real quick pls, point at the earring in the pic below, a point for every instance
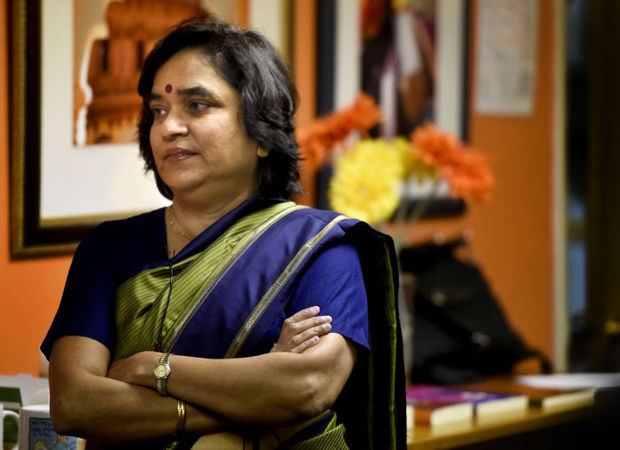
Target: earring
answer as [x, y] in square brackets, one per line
[262, 152]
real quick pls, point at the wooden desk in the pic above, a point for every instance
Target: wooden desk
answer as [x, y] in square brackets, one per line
[585, 427]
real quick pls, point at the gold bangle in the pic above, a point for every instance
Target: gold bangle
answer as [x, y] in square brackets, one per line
[181, 417]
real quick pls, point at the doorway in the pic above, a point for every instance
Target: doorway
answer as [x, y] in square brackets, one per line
[593, 184]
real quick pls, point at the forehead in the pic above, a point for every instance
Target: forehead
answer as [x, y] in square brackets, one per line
[189, 68]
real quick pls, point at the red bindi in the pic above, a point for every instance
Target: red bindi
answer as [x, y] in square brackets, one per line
[168, 88]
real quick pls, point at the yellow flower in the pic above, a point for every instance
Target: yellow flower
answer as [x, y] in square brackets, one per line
[366, 181]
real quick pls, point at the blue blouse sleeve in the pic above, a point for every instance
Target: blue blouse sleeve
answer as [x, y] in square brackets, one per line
[87, 305]
[334, 281]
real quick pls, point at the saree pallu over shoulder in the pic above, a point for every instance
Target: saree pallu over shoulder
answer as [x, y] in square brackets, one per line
[250, 297]
[143, 302]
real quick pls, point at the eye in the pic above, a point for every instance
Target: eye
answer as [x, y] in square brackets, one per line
[197, 106]
[158, 111]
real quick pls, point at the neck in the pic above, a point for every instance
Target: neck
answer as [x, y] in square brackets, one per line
[194, 217]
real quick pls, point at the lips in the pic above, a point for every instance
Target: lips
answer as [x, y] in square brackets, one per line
[178, 154]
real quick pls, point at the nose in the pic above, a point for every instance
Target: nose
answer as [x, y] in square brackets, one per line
[173, 125]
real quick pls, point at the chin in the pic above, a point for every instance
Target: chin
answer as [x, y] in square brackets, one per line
[184, 182]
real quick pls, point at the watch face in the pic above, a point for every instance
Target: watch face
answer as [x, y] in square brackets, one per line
[161, 371]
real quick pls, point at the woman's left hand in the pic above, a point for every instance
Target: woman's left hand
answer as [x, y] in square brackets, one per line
[302, 331]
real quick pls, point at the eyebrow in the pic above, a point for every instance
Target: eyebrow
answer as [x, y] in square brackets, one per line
[196, 91]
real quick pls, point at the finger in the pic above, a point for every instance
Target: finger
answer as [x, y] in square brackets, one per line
[319, 330]
[314, 322]
[299, 327]
[291, 327]
[304, 314]
[305, 345]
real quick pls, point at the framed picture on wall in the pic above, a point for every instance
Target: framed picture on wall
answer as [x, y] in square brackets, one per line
[74, 106]
[410, 56]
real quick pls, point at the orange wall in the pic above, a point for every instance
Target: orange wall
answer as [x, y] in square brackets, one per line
[304, 61]
[29, 290]
[513, 233]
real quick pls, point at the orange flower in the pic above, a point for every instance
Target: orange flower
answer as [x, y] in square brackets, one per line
[467, 171]
[435, 148]
[470, 178]
[322, 136]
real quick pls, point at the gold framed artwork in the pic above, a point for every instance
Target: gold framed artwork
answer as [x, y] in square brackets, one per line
[74, 66]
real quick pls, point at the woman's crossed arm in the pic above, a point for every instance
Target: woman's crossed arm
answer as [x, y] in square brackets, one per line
[91, 399]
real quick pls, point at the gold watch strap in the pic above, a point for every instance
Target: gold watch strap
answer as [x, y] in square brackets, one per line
[164, 358]
[161, 383]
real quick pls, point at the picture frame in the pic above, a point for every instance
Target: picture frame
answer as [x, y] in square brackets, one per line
[339, 76]
[59, 192]
[27, 237]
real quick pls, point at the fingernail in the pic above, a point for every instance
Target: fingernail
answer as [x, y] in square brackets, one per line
[316, 309]
[327, 326]
[328, 318]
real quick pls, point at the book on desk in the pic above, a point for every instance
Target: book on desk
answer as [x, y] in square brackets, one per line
[546, 399]
[589, 414]
[437, 414]
[440, 404]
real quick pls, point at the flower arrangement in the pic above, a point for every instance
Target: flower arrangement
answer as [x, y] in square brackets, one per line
[370, 174]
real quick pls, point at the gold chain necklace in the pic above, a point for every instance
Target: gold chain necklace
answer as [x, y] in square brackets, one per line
[173, 223]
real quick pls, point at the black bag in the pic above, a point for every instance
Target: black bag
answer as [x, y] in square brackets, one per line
[460, 331]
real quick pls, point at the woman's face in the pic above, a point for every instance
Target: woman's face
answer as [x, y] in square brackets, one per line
[198, 139]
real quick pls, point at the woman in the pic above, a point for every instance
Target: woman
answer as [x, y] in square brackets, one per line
[168, 318]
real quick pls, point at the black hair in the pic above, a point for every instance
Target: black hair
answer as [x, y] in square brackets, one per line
[268, 98]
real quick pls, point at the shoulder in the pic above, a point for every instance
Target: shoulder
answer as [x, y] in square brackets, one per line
[135, 223]
[356, 231]
[125, 230]
[341, 256]
[126, 245]
[326, 217]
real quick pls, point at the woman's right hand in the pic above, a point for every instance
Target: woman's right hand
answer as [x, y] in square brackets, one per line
[302, 331]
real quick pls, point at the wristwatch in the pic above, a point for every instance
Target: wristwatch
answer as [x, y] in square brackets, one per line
[161, 371]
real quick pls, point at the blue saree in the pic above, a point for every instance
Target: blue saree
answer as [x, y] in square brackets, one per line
[227, 293]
